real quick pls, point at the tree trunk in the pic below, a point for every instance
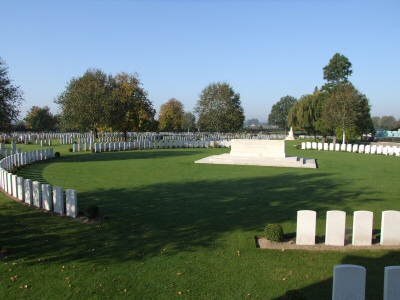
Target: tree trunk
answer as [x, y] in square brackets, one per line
[344, 136]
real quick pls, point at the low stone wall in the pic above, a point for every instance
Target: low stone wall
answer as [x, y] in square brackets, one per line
[34, 193]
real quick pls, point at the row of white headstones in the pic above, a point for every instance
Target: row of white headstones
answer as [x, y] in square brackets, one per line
[146, 145]
[335, 233]
[349, 283]
[367, 149]
[34, 193]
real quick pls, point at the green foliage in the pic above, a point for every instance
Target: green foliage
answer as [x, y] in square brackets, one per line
[70, 150]
[11, 98]
[40, 119]
[93, 150]
[337, 71]
[188, 121]
[219, 108]
[280, 111]
[274, 232]
[171, 114]
[57, 154]
[92, 211]
[294, 295]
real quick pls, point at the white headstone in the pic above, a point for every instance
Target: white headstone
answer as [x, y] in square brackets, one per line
[308, 145]
[349, 147]
[306, 226]
[335, 228]
[337, 147]
[373, 149]
[331, 147]
[348, 282]
[343, 147]
[355, 148]
[28, 191]
[390, 233]
[391, 286]
[320, 146]
[14, 185]
[47, 202]
[37, 194]
[71, 203]
[326, 146]
[361, 149]
[363, 222]
[21, 188]
[58, 200]
[367, 149]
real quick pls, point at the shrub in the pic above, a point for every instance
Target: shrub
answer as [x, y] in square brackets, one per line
[57, 154]
[92, 211]
[274, 232]
[93, 150]
[294, 295]
[70, 150]
[298, 146]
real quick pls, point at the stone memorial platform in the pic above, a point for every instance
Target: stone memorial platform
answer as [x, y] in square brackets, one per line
[259, 153]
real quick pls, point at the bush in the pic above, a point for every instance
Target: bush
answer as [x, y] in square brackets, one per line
[57, 154]
[93, 150]
[92, 211]
[294, 295]
[274, 232]
[70, 150]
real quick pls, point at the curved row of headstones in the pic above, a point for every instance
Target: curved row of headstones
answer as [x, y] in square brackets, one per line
[34, 193]
[367, 149]
[335, 232]
[349, 282]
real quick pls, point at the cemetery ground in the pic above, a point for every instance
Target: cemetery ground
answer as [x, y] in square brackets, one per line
[179, 230]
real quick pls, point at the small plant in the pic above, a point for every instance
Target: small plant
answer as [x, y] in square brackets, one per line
[93, 150]
[274, 232]
[70, 150]
[298, 146]
[57, 154]
[294, 295]
[92, 211]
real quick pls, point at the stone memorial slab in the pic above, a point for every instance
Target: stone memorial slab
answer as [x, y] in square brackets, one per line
[349, 282]
[331, 147]
[303, 146]
[379, 149]
[391, 286]
[355, 148]
[361, 149]
[263, 148]
[390, 233]
[363, 222]
[308, 145]
[335, 228]
[326, 146]
[14, 188]
[320, 146]
[306, 226]
[343, 147]
[349, 147]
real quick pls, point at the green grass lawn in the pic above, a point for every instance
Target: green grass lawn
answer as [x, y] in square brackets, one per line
[176, 229]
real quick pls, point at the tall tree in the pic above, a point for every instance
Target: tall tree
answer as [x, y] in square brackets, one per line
[40, 119]
[11, 98]
[171, 114]
[375, 120]
[337, 71]
[219, 108]
[341, 108]
[280, 111]
[387, 122]
[364, 124]
[130, 109]
[83, 104]
[188, 121]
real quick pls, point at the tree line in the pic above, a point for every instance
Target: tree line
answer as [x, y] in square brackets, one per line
[337, 108]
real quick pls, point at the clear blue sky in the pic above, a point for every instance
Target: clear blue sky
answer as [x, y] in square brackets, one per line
[264, 49]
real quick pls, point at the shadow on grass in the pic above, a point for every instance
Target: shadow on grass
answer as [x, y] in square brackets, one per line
[375, 276]
[180, 217]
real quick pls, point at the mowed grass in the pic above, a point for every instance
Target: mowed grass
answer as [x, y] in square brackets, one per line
[179, 230]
